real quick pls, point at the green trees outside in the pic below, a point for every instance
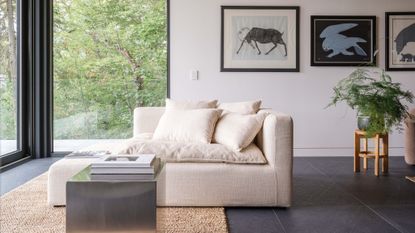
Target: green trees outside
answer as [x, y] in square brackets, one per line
[109, 57]
[8, 70]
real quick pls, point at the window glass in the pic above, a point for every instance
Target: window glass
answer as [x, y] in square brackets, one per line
[109, 57]
[8, 77]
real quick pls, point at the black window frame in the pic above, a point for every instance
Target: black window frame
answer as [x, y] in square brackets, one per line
[22, 150]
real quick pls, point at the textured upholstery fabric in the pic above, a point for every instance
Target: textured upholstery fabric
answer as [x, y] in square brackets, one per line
[62, 170]
[217, 184]
[276, 142]
[193, 152]
[248, 107]
[236, 130]
[195, 125]
[149, 116]
[175, 104]
[210, 184]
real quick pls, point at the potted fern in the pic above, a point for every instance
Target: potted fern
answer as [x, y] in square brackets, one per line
[378, 101]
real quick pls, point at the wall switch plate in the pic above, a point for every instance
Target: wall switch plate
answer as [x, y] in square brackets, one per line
[194, 75]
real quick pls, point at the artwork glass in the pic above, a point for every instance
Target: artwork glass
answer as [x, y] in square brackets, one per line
[400, 41]
[343, 40]
[259, 38]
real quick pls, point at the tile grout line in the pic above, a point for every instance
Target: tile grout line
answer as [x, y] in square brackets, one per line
[390, 222]
[279, 220]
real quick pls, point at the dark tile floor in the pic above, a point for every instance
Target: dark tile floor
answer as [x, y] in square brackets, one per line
[19, 175]
[328, 197]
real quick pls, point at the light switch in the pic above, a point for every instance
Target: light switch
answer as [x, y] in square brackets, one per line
[194, 75]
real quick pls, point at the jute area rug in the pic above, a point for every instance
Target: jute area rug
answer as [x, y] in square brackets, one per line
[25, 210]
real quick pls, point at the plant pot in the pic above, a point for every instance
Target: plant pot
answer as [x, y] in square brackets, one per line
[363, 122]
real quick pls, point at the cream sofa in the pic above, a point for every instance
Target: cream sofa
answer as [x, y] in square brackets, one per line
[207, 184]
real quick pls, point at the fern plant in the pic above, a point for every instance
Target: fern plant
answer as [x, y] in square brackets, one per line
[380, 99]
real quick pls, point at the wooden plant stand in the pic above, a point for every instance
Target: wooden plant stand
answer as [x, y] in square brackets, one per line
[366, 154]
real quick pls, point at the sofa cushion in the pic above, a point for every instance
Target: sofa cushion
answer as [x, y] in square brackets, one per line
[248, 107]
[196, 125]
[174, 104]
[236, 130]
[193, 152]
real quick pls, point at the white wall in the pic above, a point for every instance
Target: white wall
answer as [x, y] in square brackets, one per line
[195, 44]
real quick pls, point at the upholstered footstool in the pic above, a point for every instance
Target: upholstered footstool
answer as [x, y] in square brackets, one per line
[59, 173]
[62, 170]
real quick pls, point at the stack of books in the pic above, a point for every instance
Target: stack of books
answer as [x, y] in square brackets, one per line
[125, 167]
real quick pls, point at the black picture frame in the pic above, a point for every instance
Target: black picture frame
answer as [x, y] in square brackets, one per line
[267, 54]
[400, 41]
[343, 40]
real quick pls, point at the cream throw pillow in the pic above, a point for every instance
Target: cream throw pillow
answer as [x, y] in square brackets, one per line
[195, 125]
[248, 107]
[174, 104]
[236, 130]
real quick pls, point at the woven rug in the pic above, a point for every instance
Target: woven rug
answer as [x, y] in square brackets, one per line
[25, 210]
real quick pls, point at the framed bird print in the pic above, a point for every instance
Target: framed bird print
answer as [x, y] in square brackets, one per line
[400, 41]
[343, 40]
[260, 39]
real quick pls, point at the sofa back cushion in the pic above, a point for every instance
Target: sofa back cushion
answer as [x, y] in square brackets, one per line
[247, 107]
[237, 131]
[174, 104]
[146, 119]
[195, 125]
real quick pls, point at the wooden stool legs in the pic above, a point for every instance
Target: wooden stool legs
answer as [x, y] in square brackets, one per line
[376, 155]
[356, 153]
[385, 160]
[365, 148]
[366, 154]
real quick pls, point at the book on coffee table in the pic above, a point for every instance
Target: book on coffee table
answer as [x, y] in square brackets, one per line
[140, 160]
[87, 154]
[154, 166]
[125, 167]
[105, 177]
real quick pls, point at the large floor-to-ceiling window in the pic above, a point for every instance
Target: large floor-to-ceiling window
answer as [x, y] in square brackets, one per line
[9, 79]
[109, 57]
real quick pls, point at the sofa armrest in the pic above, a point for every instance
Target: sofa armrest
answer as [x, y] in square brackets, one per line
[146, 119]
[276, 142]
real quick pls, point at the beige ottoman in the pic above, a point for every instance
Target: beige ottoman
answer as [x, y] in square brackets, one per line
[410, 139]
[62, 170]
[59, 173]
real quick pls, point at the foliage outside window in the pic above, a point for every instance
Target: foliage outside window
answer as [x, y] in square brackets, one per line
[109, 57]
[8, 76]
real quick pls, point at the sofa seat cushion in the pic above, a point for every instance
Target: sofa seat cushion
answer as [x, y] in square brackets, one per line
[192, 151]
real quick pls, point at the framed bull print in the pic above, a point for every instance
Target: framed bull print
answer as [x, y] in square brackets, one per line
[260, 39]
[400, 41]
[343, 40]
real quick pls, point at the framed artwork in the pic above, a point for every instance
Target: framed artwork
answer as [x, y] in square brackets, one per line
[400, 41]
[343, 40]
[260, 39]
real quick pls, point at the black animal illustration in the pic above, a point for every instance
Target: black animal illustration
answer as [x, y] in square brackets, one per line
[404, 37]
[407, 57]
[263, 36]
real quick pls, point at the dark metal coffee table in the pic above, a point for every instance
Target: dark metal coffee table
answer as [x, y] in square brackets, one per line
[110, 206]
